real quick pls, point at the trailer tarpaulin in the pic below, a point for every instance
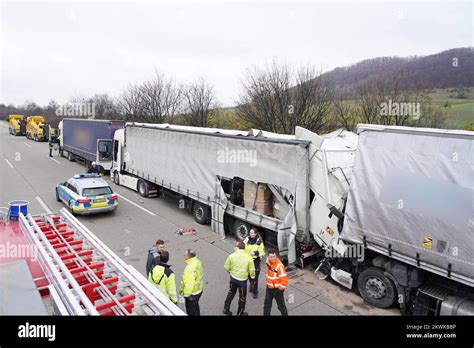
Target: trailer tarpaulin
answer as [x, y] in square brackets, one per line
[193, 161]
[412, 197]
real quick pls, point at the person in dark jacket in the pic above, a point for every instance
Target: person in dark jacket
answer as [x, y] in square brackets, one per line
[96, 169]
[154, 255]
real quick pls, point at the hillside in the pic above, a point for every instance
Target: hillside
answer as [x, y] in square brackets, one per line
[451, 68]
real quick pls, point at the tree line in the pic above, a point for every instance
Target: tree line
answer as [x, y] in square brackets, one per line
[275, 98]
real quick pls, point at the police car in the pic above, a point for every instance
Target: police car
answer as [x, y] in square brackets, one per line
[87, 194]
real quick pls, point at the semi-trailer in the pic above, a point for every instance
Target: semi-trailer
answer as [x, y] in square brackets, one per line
[387, 212]
[88, 140]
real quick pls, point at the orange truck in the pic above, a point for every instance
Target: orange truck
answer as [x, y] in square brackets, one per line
[16, 124]
[35, 128]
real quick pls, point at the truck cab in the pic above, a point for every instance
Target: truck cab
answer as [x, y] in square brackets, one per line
[35, 128]
[16, 124]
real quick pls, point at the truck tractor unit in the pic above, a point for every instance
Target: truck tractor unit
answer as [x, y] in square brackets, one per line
[35, 128]
[17, 125]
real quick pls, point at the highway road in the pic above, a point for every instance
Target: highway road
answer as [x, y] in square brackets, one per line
[26, 172]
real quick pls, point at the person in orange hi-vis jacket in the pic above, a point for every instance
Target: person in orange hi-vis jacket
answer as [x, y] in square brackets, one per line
[276, 284]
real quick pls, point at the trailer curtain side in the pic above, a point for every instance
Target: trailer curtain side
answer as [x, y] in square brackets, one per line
[412, 198]
[193, 161]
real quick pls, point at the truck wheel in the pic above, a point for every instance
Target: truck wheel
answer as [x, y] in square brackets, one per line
[142, 188]
[201, 213]
[70, 157]
[116, 178]
[241, 230]
[375, 288]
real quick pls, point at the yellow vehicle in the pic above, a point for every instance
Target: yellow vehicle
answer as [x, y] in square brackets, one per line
[35, 128]
[16, 124]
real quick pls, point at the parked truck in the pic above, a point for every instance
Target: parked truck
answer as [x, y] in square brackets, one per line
[35, 128]
[327, 199]
[16, 124]
[88, 140]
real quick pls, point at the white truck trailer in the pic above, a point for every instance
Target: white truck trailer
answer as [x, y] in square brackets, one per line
[310, 177]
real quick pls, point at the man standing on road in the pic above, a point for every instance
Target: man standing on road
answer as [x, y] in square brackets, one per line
[192, 282]
[276, 284]
[163, 277]
[51, 147]
[254, 247]
[241, 267]
[154, 255]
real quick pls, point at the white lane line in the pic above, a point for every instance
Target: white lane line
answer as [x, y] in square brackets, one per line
[27, 145]
[43, 204]
[135, 204]
[8, 162]
[53, 159]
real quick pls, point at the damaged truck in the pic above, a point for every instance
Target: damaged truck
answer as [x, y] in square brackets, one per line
[387, 212]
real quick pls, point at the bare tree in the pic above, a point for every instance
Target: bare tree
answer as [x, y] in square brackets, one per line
[131, 103]
[312, 98]
[105, 106]
[199, 100]
[277, 99]
[346, 112]
[161, 99]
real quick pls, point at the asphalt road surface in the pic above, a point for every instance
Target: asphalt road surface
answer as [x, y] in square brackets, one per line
[26, 172]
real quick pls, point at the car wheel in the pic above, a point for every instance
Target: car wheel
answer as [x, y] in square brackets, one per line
[57, 196]
[116, 178]
[142, 188]
[375, 288]
[201, 213]
[241, 230]
[35, 137]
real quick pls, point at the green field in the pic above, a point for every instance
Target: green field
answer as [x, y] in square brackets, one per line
[460, 108]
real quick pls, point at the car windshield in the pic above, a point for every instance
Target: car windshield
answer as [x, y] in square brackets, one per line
[96, 191]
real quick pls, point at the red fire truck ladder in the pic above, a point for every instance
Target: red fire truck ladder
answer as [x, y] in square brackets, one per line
[87, 277]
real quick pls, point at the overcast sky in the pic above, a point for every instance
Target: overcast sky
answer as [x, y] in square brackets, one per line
[58, 50]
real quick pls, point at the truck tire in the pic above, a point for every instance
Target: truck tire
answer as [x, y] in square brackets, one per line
[70, 157]
[201, 213]
[116, 178]
[375, 288]
[142, 188]
[241, 229]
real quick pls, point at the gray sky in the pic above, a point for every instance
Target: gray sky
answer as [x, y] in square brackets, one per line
[57, 50]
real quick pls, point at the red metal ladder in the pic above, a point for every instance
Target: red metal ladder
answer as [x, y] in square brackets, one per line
[89, 278]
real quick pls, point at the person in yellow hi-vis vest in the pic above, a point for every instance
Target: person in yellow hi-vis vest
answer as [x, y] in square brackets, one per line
[192, 282]
[254, 247]
[163, 277]
[240, 266]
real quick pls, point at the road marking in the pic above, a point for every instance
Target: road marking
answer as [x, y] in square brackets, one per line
[8, 162]
[136, 205]
[27, 145]
[55, 160]
[43, 204]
